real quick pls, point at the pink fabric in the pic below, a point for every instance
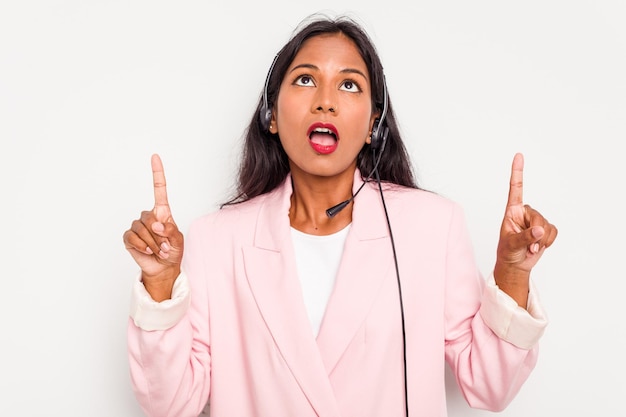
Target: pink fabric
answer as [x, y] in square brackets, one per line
[246, 342]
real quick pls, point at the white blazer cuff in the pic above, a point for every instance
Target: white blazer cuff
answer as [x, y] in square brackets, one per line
[520, 327]
[151, 315]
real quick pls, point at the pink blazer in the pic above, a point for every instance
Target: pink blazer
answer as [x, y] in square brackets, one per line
[246, 344]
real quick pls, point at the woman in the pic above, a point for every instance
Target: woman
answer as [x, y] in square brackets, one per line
[282, 309]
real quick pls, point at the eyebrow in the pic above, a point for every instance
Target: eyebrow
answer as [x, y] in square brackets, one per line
[343, 71]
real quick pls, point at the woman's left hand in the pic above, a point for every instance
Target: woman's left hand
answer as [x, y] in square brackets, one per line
[524, 236]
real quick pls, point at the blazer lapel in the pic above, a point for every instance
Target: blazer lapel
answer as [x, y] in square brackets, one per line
[367, 261]
[272, 276]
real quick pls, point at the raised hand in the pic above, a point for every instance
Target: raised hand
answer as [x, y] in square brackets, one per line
[155, 242]
[524, 236]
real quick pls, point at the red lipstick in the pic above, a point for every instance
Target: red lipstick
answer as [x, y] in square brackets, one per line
[323, 138]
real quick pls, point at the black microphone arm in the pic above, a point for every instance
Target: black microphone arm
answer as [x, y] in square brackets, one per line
[332, 212]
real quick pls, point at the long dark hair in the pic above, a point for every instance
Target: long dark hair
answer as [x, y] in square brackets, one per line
[264, 163]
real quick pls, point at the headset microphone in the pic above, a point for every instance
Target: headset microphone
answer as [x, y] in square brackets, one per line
[379, 140]
[331, 212]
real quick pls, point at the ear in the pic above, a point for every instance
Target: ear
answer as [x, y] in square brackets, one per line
[375, 115]
[273, 125]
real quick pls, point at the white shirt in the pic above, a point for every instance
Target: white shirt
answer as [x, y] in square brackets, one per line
[317, 261]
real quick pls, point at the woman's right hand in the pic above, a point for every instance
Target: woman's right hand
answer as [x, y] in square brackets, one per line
[155, 242]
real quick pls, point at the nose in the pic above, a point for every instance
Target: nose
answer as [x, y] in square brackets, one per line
[325, 100]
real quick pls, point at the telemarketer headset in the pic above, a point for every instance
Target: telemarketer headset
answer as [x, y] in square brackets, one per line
[379, 129]
[379, 135]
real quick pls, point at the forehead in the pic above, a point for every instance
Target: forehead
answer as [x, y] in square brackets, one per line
[330, 49]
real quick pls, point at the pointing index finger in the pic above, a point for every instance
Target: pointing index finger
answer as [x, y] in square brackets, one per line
[516, 184]
[160, 186]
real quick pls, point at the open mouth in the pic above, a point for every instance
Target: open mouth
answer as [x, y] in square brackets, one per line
[323, 139]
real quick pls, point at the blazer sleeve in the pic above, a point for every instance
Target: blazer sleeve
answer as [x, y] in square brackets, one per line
[521, 327]
[169, 357]
[489, 369]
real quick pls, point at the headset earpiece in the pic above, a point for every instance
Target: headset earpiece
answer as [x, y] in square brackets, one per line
[379, 135]
[265, 117]
[379, 128]
[265, 112]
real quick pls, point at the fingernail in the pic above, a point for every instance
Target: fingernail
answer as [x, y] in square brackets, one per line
[163, 254]
[157, 227]
[165, 246]
[149, 251]
[535, 247]
[537, 232]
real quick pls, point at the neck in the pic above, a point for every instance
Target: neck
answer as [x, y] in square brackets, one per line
[311, 198]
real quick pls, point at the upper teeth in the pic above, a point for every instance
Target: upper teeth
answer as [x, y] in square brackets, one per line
[323, 130]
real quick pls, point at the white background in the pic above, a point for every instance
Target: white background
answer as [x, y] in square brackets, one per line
[89, 90]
